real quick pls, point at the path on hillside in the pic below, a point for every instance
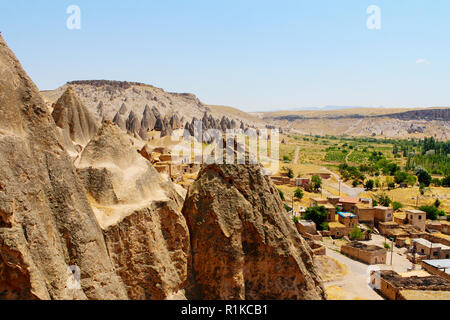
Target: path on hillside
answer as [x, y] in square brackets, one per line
[297, 154]
[350, 191]
[348, 155]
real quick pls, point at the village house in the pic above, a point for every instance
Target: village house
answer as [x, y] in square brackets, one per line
[393, 286]
[334, 200]
[303, 182]
[383, 214]
[439, 268]
[369, 254]
[429, 250]
[331, 212]
[348, 204]
[434, 226]
[338, 230]
[416, 218]
[308, 230]
[348, 219]
[445, 227]
[316, 202]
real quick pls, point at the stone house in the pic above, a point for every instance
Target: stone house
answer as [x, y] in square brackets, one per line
[348, 204]
[338, 230]
[429, 250]
[369, 254]
[416, 218]
[394, 287]
[315, 202]
[348, 219]
[308, 230]
[439, 268]
[331, 212]
[303, 182]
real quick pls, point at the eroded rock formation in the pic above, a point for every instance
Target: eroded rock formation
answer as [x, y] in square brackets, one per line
[46, 222]
[74, 118]
[244, 246]
[139, 212]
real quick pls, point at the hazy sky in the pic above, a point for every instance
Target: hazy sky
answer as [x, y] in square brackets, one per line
[255, 55]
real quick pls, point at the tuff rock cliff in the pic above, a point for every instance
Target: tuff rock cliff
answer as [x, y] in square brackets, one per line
[113, 216]
[46, 222]
[74, 118]
[243, 244]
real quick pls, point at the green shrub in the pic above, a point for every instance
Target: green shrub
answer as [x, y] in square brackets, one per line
[397, 205]
[432, 212]
[357, 234]
[316, 214]
[299, 194]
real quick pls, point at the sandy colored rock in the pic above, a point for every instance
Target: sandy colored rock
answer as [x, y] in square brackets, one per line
[244, 245]
[133, 124]
[150, 249]
[46, 222]
[120, 121]
[148, 119]
[145, 231]
[73, 117]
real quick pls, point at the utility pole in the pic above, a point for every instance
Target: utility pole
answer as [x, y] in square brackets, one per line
[392, 249]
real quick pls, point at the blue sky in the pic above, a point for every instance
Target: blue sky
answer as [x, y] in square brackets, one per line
[254, 55]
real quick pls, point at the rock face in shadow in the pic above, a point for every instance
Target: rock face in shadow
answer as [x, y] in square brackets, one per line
[74, 118]
[244, 245]
[139, 212]
[46, 222]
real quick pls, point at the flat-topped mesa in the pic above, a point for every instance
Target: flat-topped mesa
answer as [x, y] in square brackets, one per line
[46, 222]
[74, 118]
[244, 245]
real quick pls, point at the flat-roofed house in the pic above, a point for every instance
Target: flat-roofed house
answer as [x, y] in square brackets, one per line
[338, 230]
[331, 212]
[394, 286]
[315, 202]
[438, 267]
[334, 200]
[365, 214]
[308, 230]
[416, 218]
[348, 204]
[302, 182]
[348, 219]
[429, 250]
[445, 227]
[383, 214]
[369, 254]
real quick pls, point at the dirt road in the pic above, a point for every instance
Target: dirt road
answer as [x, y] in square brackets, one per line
[354, 285]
